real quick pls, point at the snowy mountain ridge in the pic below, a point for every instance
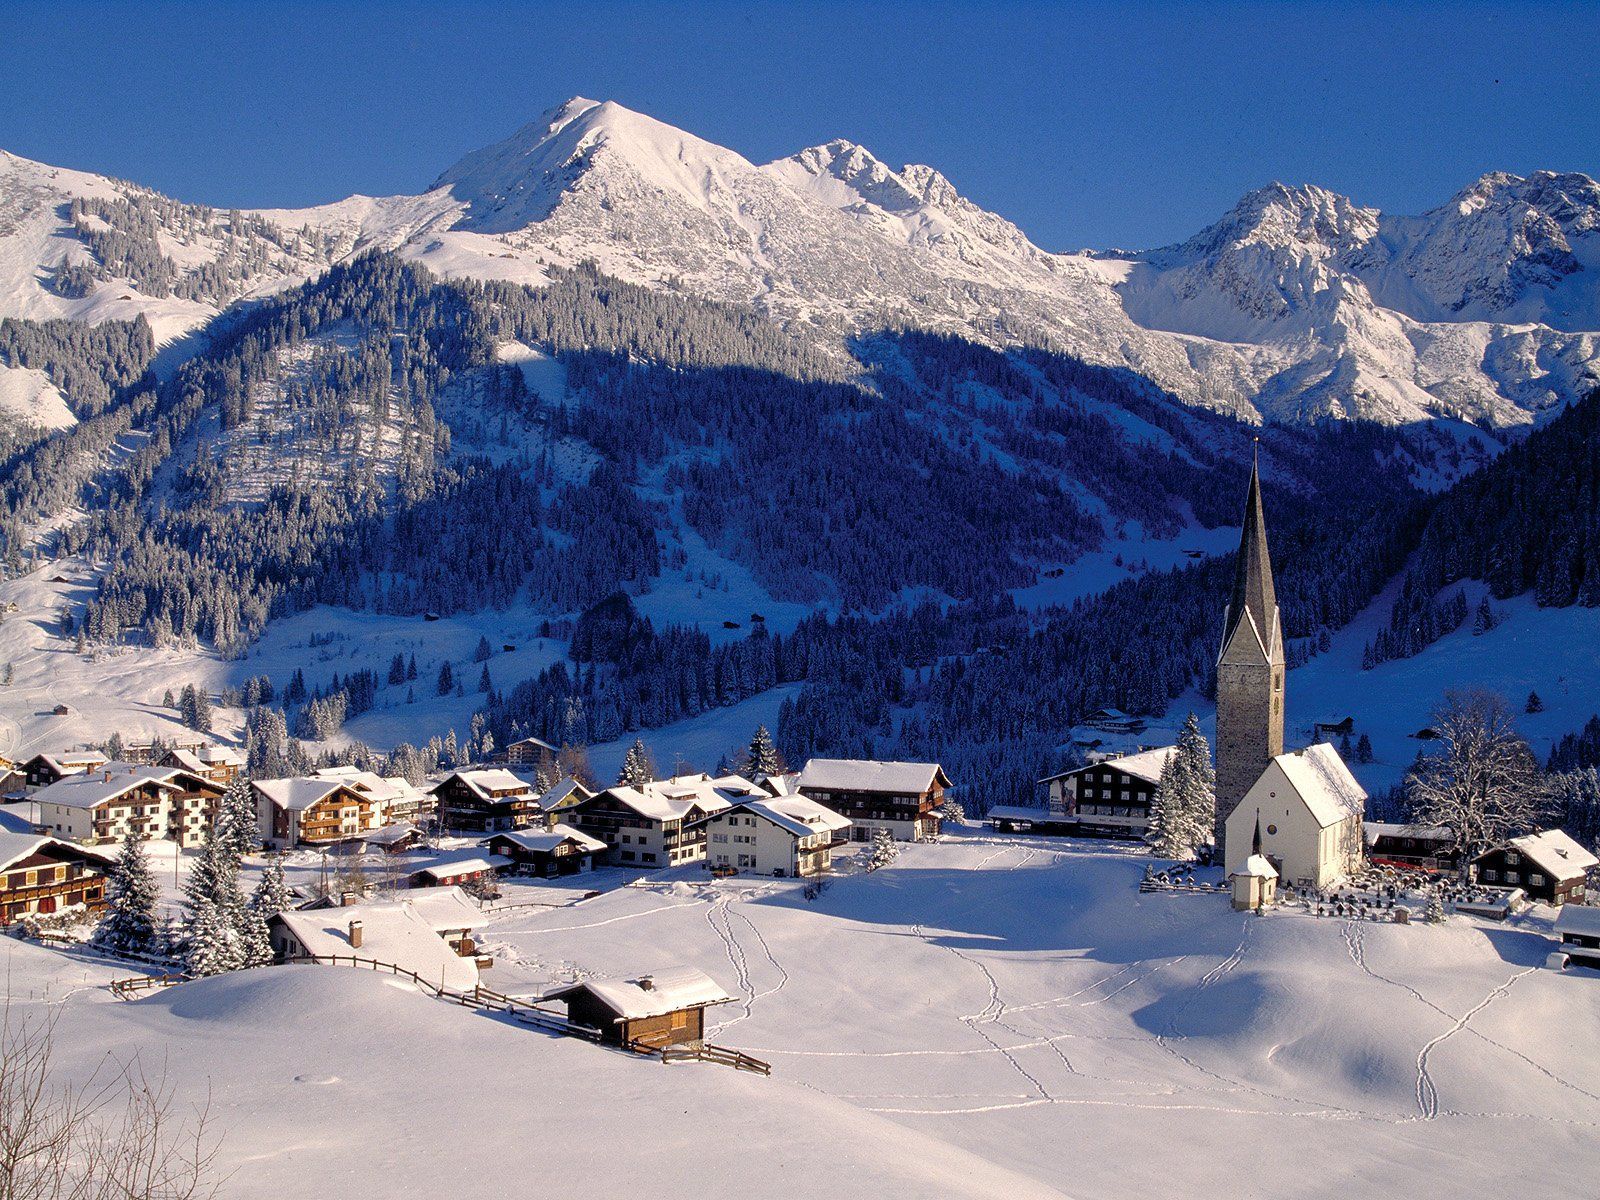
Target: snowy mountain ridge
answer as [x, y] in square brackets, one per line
[1297, 304]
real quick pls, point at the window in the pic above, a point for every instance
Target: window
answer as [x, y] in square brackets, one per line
[1512, 877]
[1512, 858]
[1491, 875]
[1272, 829]
[1535, 879]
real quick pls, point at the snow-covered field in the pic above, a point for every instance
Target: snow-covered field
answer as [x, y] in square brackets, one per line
[986, 1017]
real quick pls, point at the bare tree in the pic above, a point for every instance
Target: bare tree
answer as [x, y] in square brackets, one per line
[1484, 784]
[117, 1137]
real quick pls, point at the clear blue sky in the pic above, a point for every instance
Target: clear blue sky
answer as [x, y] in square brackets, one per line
[1089, 125]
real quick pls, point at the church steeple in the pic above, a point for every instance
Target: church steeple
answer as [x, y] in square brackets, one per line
[1250, 672]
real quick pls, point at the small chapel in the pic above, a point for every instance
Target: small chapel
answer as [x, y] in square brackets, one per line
[1305, 803]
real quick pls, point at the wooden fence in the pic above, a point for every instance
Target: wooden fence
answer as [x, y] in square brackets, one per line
[137, 985]
[722, 1055]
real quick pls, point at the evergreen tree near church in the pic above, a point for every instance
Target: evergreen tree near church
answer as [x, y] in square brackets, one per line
[636, 766]
[763, 758]
[1183, 813]
[131, 894]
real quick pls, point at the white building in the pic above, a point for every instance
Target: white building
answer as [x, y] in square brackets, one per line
[428, 933]
[396, 798]
[1310, 809]
[781, 835]
[661, 823]
[104, 805]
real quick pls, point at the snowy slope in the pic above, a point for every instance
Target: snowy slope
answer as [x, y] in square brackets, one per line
[1298, 304]
[28, 397]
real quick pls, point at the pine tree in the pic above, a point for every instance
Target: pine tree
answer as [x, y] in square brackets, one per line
[411, 669]
[213, 945]
[763, 758]
[131, 895]
[254, 939]
[397, 670]
[237, 824]
[637, 766]
[1364, 749]
[482, 653]
[1164, 828]
[884, 849]
[485, 684]
[272, 893]
[447, 679]
[1534, 704]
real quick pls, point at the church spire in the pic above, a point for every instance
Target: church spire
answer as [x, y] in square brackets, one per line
[1253, 592]
[1255, 842]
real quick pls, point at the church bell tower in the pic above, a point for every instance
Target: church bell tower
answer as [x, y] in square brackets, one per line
[1250, 668]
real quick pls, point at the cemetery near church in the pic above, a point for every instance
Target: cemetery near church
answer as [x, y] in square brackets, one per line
[435, 886]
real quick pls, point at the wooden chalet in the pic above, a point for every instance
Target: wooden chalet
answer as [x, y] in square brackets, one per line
[1578, 928]
[1110, 798]
[1548, 866]
[312, 811]
[42, 874]
[664, 1009]
[902, 797]
[528, 750]
[459, 870]
[44, 769]
[215, 763]
[559, 850]
[660, 823]
[395, 797]
[1419, 847]
[568, 793]
[486, 801]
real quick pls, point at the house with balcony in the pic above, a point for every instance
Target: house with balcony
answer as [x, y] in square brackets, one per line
[44, 769]
[311, 810]
[486, 801]
[106, 805]
[660, 823]
[902, 797]
[399, 800]
[43, 874]
[219, 764]
[782, 836]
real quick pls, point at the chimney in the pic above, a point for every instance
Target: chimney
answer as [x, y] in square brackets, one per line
[346, 899]
[108, 777]
[647, 984]
[355, 935]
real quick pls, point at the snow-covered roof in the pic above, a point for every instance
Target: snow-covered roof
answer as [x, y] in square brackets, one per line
[1017, 812]
[785, 784]
[863, 775]
[92, 789]
[462, 864]
[652, 995]
[221, 756]
[1556, 852]
[483, 783]
[1145, 765]
[1257, 867]
[390, 933]
[68, 762]
[796, 815]
[1373, 830]
[18, 844]
[1578, 918]
[562, 793]
[546, 840]
[187, 761]
[385, 789]
[445, 908]
[300, 792]
[677, 798]
[533, 741]
[389, 834]
[1323, 783]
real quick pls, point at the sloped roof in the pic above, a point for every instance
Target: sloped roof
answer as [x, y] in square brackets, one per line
[675, 799]
[864, 775]
[1578, 918]
[92, 789]
[652, 995]
[491, 779]
[1323, 783]
[1257, 866]
[461, 864]
[1556, 852]
[17, 844]
[385, 789]
[300, 792]
[1373, 830]
[546, 840]
[186, 760]
[561, 793]
[1253, 599]
[445, 908]
[66, 762]
[797, 815]
[393, 933]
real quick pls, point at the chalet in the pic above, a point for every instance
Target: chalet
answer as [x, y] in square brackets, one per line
[661, 823]
[118, 799]
[1114, 720]
[44, 769]
[776, 835]
[486, 801]
[216, 763]
[42, 874]
[1421, 847]
[1549, 866]
[528, 750]
[902, 797]
[392, 839]
[555, 801]
[459, 870]
[1109, 798]
[312, 811]
[396, 798]
[1310, 809]
[428, 934]
[1578, 927]
[559, 850]
[667, 1008]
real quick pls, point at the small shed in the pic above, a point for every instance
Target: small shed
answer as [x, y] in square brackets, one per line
[666, 1008]
[1255, 885]
[459, 870]
[1578, 928]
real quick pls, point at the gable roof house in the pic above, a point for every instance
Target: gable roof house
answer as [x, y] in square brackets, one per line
[564, 794]
[395, 795]
[660, 823]
[312, 810]
[1310, 809]
[112, 801]
[1549, 866]
[558, 850]
[1578, 929]
[1108, 798]
[44, 769]
[528, 750]
[776, 835]
[43, 874]
[902, 797]
[457, 870]
[216, 763]
[414, 934]
[666, 1008]
[485, 801]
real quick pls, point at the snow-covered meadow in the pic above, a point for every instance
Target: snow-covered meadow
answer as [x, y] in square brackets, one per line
[987, 1016]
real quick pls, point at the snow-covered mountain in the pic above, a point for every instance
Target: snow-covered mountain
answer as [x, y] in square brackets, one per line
[1297, 304]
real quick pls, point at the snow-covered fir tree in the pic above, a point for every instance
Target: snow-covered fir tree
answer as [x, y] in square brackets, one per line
[131, 894]
[213, 942]
[236, 821]
[884, 849]
[637, 766]
[762, 757]
[1183, 812]
[272, 893]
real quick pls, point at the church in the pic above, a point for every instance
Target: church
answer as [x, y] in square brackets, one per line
[1306, 803]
